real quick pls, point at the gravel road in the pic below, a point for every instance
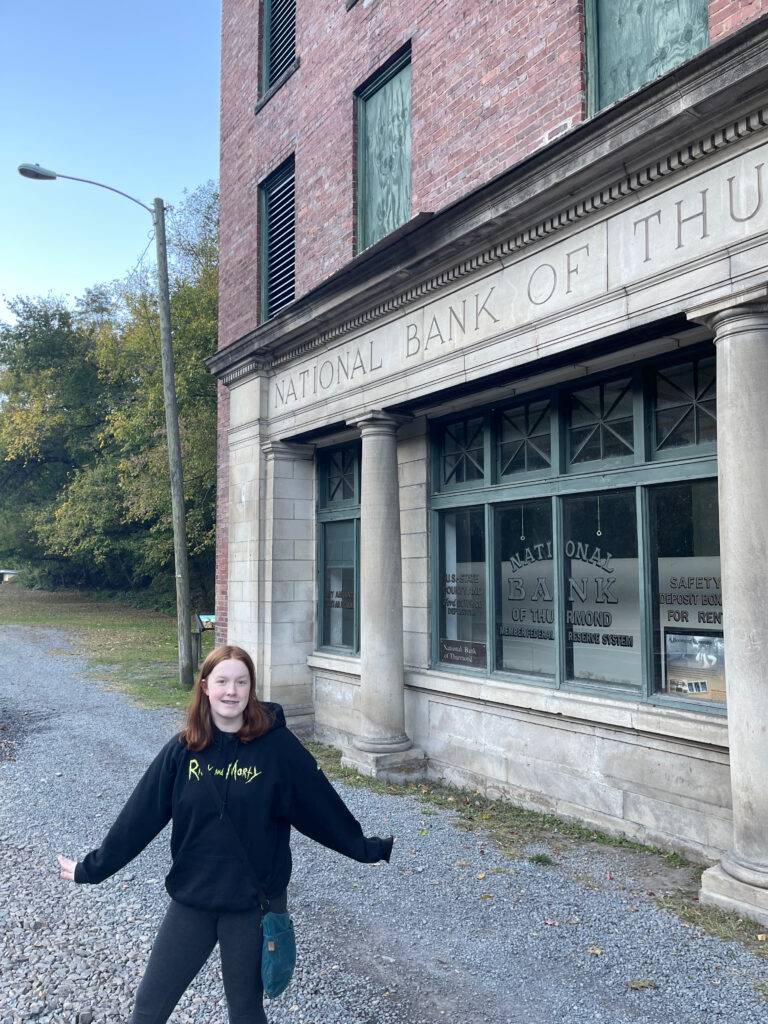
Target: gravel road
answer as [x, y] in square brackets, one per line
[449, 931]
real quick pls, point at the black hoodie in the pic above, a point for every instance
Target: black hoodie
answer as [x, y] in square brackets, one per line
[266, 785]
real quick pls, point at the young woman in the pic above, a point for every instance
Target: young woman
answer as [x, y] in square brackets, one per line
[236, 766]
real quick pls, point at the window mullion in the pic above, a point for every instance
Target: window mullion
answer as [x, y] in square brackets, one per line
[645, 567]
[558, 575]
[559, 453]
[489, 474]
[320, 585]
[491, 567]
[356, 626]
[435, 562]
[640, 423]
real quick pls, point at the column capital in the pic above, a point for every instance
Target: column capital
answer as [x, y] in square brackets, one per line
[274, 450]
[750, 302]
[379, 422]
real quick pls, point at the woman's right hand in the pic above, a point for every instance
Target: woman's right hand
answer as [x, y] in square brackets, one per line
[67, 868]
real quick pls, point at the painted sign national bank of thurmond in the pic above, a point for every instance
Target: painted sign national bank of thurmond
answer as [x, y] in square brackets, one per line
[710, 227]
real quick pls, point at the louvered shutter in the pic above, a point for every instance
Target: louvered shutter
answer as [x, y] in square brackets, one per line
[278, 260]
[279, 39]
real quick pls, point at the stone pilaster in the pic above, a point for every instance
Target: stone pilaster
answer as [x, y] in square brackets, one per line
[288, 610]
[245, 437]
[383, 746]
[740, 881]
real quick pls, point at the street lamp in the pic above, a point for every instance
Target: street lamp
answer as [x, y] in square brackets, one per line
[183, 606]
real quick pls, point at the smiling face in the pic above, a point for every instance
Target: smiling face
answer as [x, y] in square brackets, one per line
[228, 688]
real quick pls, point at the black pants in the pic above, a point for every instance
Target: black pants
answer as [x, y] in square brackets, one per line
[184, 942]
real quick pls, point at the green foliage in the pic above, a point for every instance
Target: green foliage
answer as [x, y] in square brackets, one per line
[541, 858]
[84, 479]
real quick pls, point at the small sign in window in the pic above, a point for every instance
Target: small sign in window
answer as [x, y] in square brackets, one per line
[463, 652]
[695, 664]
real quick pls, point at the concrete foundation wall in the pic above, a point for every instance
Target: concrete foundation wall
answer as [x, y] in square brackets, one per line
[659, 778]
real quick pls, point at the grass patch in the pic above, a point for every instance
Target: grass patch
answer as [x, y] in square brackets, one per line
[541, 858]
[512, 828]
[729, 927]
[133, 650]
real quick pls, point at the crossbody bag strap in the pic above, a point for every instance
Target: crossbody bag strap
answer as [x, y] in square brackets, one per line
[224, 813]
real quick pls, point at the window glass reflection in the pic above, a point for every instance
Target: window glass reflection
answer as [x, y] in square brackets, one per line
[339, 584]
[462, 591]
[525, 589]
[525, 443]
[602, 605]
[688, 613]
[464, 451]
[601, 422]
[685, 404]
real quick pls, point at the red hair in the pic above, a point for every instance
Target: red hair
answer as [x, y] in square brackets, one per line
[198, 733]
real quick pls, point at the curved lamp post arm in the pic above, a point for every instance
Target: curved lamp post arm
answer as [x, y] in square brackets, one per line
[38, 173]
[183, 603]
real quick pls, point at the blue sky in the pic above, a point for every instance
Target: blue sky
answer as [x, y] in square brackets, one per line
[125, 94]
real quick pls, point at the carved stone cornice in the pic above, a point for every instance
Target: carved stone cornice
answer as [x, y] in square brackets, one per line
[633, 183]
[243, 370]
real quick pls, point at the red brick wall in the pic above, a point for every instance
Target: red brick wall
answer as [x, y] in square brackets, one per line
[491, 83]
[725, 16]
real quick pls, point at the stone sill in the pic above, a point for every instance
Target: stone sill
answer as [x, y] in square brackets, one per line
[278, 85]
[673, 723]
[345, 664]
[687, 726]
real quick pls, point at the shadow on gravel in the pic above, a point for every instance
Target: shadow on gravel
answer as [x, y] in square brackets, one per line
[15, 726]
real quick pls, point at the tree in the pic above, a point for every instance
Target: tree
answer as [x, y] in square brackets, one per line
[83, 457]
[53, 405]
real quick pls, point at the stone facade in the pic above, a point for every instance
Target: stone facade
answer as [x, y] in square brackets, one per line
[561, 249]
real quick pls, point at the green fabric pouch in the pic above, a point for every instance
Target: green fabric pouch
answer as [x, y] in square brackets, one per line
[278, 953]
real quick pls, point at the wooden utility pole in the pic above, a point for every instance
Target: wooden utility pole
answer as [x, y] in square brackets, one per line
[183, 605]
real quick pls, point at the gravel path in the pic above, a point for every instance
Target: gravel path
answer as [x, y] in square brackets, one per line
[451, 930]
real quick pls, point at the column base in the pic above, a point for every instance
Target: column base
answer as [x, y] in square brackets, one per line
[400, 766]
[751, 872]
[719, 889]
[377, 745]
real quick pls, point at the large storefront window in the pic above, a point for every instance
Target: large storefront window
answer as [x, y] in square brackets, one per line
[688, 600]
[525, 589]
[602, 604]
[339, 548]
[600, 520]
[462, 588]
[340, 584]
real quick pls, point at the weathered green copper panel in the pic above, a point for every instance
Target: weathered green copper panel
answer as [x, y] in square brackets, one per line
[638, 40]
[385, 158]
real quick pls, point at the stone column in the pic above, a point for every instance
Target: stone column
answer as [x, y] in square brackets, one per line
[383, 747]
[740, 882]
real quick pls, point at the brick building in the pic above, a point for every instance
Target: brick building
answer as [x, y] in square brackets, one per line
[494, 331]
